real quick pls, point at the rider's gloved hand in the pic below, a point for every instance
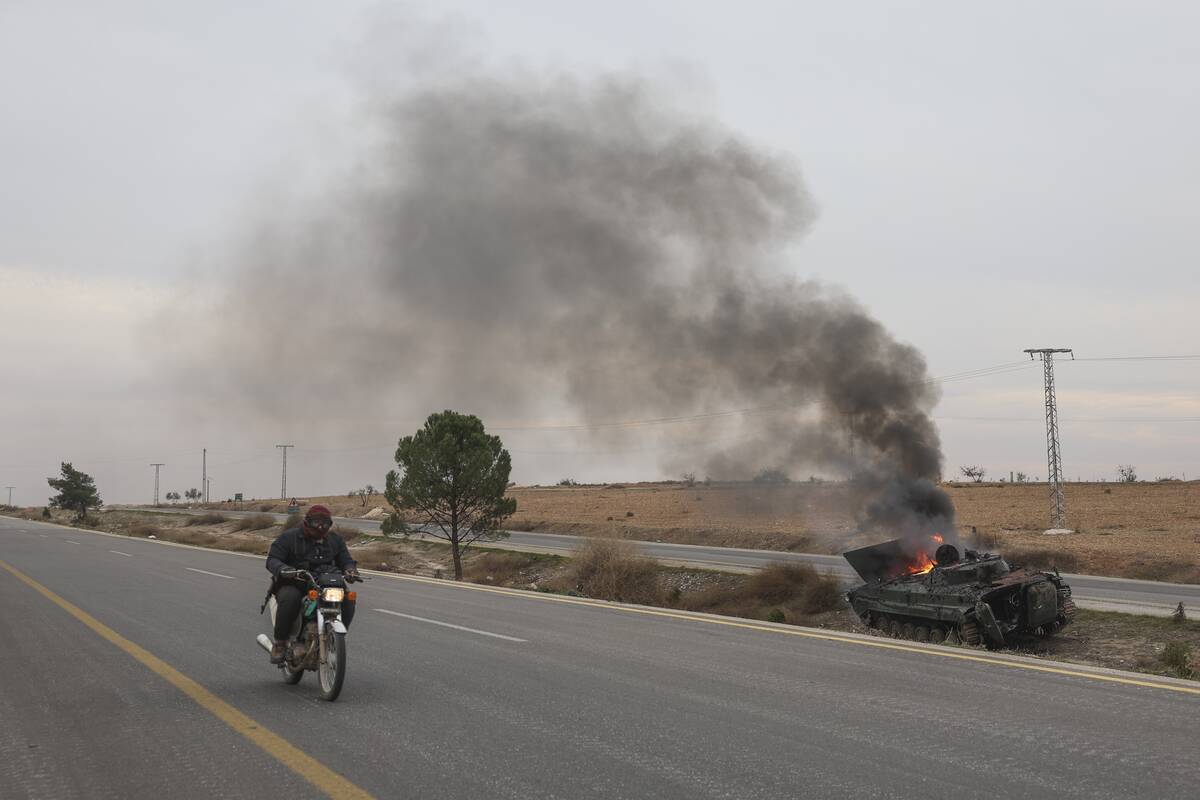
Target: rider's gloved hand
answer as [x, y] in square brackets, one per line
[352, 574]
[286, 572]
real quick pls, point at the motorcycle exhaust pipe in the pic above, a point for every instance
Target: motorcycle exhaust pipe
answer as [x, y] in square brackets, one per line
[264, 642]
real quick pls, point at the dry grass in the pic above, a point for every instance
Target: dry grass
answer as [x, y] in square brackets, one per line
[1042, 558]
[610, 569]
[501, 569]
[255, 522]
[204, 519]
[348, 534]
[1139, 530]
[793, 591]
[198, 538]
[256, 545]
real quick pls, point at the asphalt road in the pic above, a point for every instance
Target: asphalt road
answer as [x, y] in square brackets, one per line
[1104, 594]
[479, 692]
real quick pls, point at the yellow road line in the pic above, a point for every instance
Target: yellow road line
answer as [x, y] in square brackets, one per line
[809, 634]
[282, 750]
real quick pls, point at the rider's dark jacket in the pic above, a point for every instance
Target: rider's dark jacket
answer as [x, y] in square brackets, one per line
[294, 549]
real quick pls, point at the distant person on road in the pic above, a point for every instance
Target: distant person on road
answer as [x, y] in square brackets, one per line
[312, 547]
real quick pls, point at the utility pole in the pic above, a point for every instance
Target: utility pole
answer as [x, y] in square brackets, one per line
[283, 485]
[204, 475]
[156, 468]
[10, 488]
[1058, 509]
[207, 487]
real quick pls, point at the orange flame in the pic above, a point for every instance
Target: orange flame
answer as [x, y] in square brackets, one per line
[920, 564]
[937, 537]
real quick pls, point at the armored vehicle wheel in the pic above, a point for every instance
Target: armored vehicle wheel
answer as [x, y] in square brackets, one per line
[894, 628]
[952, 636]
[906, 631]
[921, 633]
[937, 634]
[968, 632]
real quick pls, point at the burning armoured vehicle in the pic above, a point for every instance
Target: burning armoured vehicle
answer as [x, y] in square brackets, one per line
[972, 599]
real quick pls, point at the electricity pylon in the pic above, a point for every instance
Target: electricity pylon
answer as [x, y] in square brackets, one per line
[1058, 507]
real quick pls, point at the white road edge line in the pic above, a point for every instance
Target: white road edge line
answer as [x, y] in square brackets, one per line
[118, 552]
[450, 625]
[71, 541]
[214, 574]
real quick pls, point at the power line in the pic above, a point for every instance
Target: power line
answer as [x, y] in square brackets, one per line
[1183, 357]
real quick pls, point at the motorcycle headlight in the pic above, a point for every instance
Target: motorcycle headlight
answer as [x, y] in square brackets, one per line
[332, 595]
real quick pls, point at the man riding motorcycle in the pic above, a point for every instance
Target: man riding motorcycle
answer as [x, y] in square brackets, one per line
[312, 547]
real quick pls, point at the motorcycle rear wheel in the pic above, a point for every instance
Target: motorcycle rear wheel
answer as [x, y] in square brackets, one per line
[332, 671]
[292, 678]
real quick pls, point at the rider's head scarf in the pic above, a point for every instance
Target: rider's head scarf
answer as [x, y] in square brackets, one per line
[317, 522]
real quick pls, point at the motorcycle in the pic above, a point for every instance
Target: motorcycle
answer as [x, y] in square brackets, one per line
[318, 637]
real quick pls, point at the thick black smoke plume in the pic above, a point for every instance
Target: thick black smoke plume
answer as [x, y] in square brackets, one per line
[514, 238]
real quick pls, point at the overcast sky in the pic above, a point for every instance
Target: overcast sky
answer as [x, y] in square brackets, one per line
[988, 178]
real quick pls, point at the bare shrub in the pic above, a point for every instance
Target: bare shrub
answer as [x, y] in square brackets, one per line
[198, 538]
[259, 546]
[610, 569]
[255, 522]
[499, 569]
[377, 557]
[792, 590]
[1177, 657]
[293, 521]
[205, 519]
[347, 533]
[1041, 558]
[144, 530]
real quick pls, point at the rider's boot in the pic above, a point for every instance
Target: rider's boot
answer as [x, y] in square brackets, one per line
[278, 649]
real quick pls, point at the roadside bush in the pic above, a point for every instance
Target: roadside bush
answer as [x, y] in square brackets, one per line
[498, 569]
[144, 530]
[1041, 558]
[347, 533]
[257, 522]
[1177, 657]
[205, 519]
[46, 512]
[198, 538]
[610, 569]
[259, 546]
[293, 521]
[778, 593]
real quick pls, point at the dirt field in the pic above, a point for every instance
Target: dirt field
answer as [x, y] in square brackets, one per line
[1139, 530]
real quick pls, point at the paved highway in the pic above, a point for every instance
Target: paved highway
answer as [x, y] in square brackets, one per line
[130, 670]
[1105, 594]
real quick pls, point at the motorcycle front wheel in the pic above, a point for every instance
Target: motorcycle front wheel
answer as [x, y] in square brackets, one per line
[332, 671]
